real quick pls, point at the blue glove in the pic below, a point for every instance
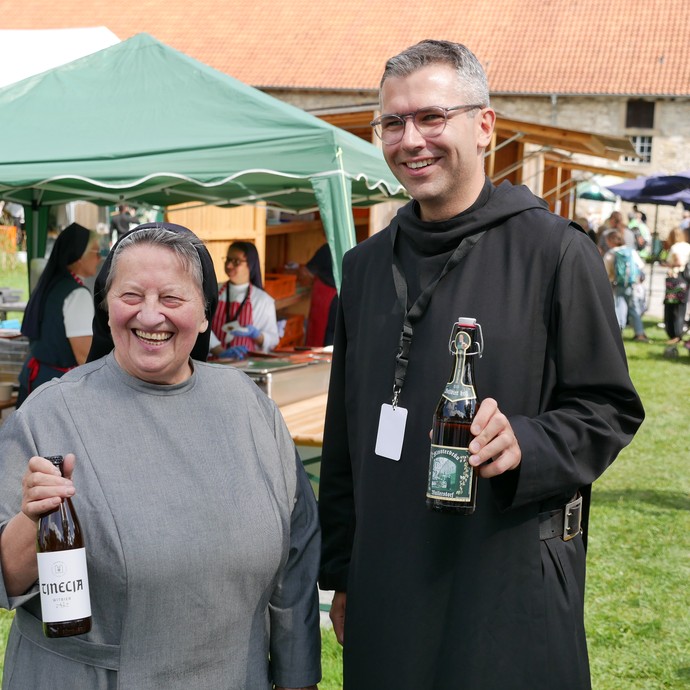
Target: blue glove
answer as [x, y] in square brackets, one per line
[236, 352]
[250, 331]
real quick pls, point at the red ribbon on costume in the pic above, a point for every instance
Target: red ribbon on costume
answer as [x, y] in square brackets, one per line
[34, 366]
[77, 278]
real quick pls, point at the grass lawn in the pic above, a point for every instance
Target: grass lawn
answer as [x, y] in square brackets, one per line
[639, 547]
[639, 544]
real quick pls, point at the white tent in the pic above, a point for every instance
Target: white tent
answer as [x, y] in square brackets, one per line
[30, 52]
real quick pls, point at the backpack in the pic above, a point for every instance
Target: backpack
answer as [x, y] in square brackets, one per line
[625, 271]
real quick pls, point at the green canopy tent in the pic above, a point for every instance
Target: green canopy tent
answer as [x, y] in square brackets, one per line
[141, 122]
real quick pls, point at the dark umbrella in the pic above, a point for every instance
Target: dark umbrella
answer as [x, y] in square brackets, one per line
[682, 197]
[667, 190]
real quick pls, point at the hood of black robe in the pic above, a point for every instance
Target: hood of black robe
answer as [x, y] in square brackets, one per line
[424, 247]
[69, 247]
[102, 342]
[493, 207]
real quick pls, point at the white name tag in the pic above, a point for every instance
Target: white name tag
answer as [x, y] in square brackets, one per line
[389, 439]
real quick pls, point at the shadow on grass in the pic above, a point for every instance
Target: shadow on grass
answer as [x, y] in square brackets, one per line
[660, 354]
[673, 500]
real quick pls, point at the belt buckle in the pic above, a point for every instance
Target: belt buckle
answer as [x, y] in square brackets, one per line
[572, 519]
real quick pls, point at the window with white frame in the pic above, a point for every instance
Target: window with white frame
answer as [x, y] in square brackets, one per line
[639, 126]
[643, 146]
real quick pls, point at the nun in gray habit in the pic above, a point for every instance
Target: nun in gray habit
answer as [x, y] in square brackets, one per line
[200, 525]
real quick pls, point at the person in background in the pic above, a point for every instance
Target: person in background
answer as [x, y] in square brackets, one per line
[324, 299]
[16, 213]
[492, 600]
[623, 286]
[59, 313]
[615, 223]
[199, 522]
[641, 214]
[676, 294]
[245, 319]
[643, 237]
[121, 223]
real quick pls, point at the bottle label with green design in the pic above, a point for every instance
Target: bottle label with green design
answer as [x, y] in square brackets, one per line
[450, 475]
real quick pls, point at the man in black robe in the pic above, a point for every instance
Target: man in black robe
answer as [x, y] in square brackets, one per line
[494, 600]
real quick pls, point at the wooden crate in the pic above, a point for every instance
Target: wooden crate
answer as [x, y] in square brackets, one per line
[280, 285]
[294, 331]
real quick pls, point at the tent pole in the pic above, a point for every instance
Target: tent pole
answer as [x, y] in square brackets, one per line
[34, 224]
[655, 238]
[334, 197]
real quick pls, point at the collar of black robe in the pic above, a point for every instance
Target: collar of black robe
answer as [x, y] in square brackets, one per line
[102, 342]
[453, 238]
[424, 247]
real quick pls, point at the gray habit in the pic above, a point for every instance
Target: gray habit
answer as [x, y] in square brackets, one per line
[200, 528]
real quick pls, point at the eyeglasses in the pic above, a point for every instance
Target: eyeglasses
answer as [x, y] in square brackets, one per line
[429, 122]
[233, 261]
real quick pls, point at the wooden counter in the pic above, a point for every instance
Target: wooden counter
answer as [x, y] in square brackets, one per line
[305, 419]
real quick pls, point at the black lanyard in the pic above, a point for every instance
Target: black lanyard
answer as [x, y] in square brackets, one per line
[416, 311]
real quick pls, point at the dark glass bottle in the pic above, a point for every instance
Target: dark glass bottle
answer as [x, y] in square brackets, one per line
[62, 575]
[452, 482]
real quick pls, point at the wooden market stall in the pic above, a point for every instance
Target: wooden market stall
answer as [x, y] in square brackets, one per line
[283, 246]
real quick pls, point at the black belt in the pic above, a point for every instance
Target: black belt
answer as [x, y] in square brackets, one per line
[562, 522]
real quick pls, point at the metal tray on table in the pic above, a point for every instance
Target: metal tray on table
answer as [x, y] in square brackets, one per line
[287, 380]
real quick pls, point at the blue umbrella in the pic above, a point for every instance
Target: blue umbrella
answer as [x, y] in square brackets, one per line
[682, 197]
[667, 190]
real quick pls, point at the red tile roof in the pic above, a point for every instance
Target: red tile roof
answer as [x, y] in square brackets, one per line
[616, 47]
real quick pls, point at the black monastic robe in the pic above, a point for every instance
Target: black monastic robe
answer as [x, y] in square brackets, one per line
[438, 601]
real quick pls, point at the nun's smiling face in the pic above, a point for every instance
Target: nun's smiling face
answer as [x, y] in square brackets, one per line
[155, 312]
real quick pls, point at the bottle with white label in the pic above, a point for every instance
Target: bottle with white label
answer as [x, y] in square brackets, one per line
[62, 576]
[452, 481]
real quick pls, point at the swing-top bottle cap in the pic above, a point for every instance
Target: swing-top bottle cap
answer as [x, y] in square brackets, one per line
[476, 335]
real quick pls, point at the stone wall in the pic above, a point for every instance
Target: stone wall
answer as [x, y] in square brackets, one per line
[671, 133]
[324, 100]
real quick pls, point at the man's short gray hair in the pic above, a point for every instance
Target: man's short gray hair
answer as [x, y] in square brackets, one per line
[158, 236]
[470, 72]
